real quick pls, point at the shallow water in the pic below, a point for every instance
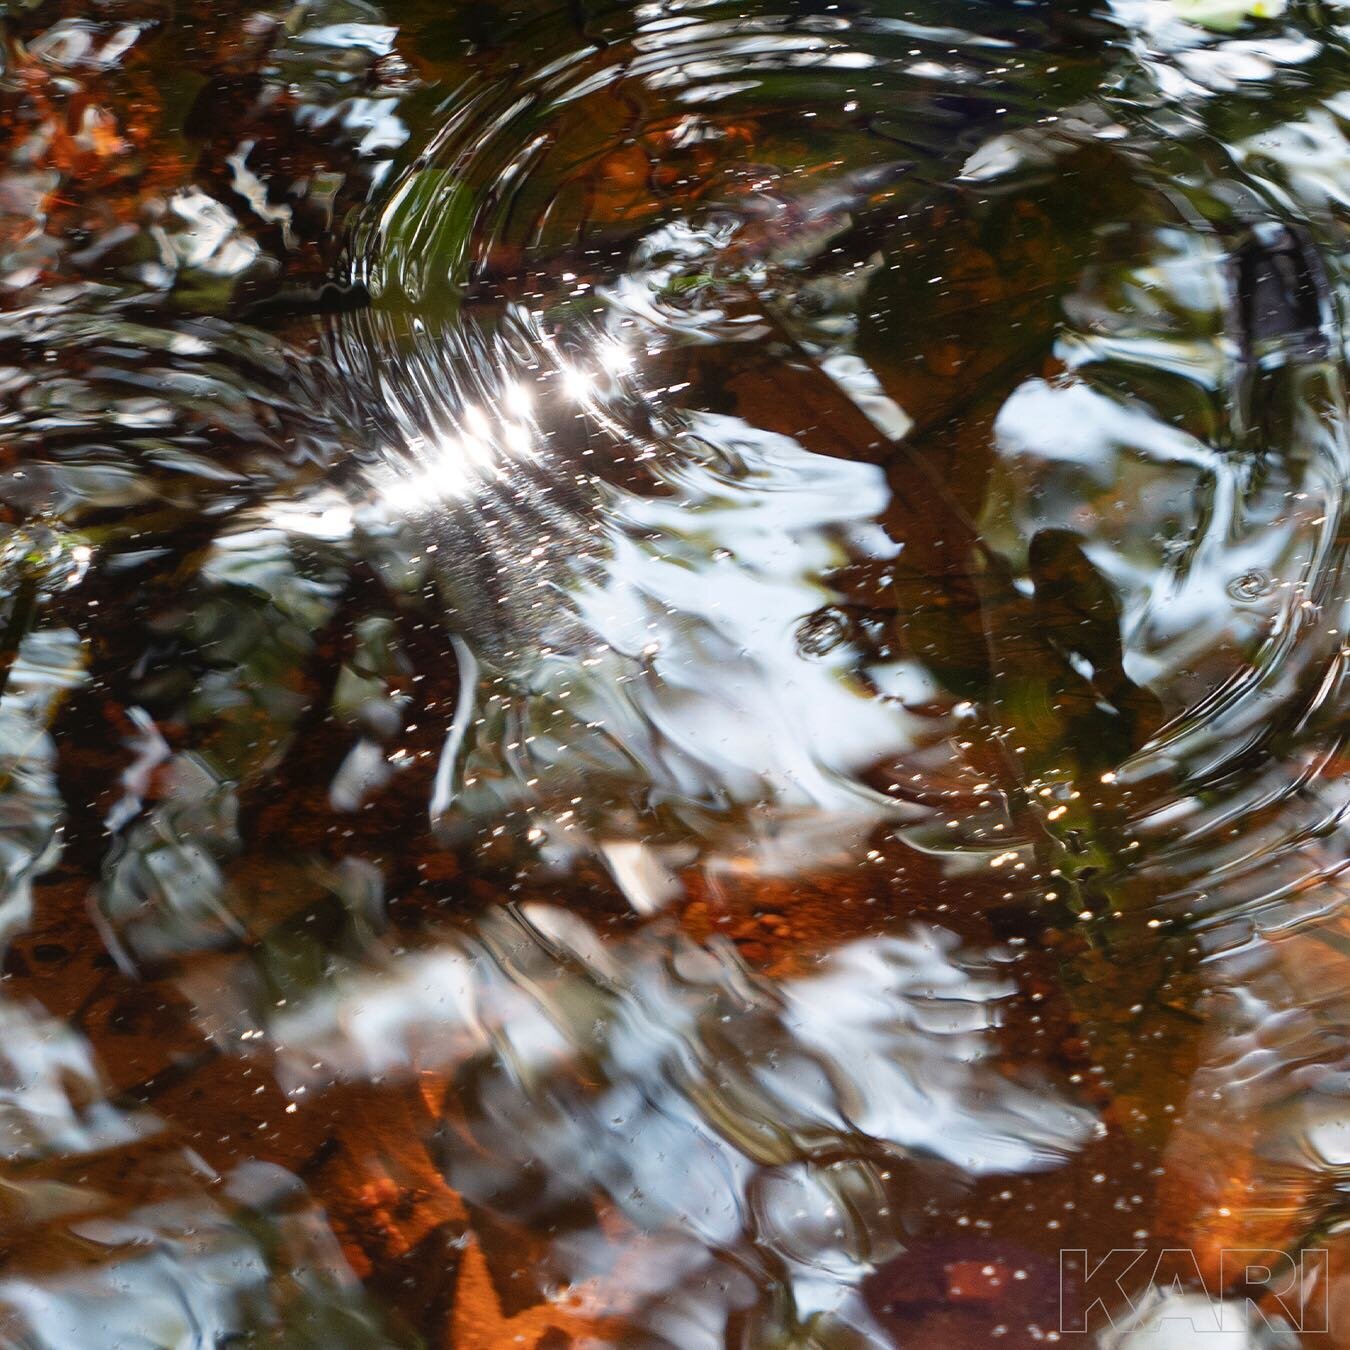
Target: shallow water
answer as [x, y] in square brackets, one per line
[673, 674]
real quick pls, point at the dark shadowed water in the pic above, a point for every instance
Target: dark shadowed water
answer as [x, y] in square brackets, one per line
[674, 674]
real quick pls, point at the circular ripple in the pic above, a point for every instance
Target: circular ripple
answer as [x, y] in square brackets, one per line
[692, 264]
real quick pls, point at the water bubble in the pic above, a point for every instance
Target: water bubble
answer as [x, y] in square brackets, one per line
[1251, 585]
[820, 633]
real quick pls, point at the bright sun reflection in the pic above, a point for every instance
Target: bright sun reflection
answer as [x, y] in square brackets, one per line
[436, 471]
[577, 383]
[616, 358]
[484, 437]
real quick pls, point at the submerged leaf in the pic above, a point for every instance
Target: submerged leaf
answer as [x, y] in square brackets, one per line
[1225, 16]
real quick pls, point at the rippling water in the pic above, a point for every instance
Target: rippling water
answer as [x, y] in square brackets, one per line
[673, 674]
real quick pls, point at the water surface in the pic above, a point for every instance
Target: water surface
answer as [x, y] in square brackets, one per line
[672, 674]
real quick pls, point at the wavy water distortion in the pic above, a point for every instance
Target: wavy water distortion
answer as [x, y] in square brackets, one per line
[674, 674]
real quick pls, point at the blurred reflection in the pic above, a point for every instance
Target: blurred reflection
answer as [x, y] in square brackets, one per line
[712, 1114]
[119, 1238]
